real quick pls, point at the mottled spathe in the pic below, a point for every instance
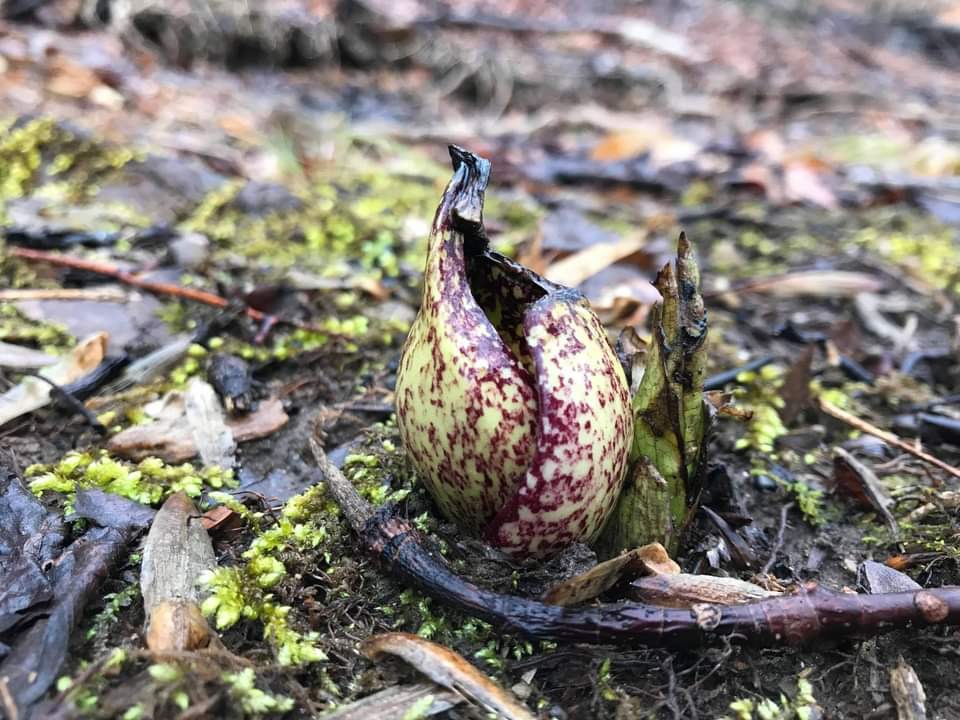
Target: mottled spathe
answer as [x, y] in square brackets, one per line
[510, 400]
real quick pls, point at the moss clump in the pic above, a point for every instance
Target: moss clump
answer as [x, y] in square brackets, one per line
[149, 482]
[759, 393]
[254, 701]
[50, 337]
[372, 223]
[304, 533]
[21, 155]
[83, 696]
[809, 501]
[114, 603]
[40, 151]
[926, 249]
[243, 591]
[802, 706]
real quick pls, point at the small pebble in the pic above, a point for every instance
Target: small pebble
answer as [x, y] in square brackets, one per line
[764, 482]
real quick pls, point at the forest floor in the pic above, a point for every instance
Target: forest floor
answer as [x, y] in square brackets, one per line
[291, 160]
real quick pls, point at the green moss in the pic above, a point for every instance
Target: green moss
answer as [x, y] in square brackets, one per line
[49, 337]
[41, 151]
[759, 394]
[241, 592]
[21, 155]
[372, 222]
[809, 501]
[923, 247]
[83, 695]
[253, 701]
[149, 482]
[114, 603]
[802, 706]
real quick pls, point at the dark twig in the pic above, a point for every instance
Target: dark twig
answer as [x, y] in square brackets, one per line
[716, 382]
[795, 619]
[784, 512]
[88, 385]
[67, 398]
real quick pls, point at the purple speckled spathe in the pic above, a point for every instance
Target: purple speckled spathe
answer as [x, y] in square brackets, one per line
[510, 400]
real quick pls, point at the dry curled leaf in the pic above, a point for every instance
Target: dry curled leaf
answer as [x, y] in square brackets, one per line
[652, 558]
[448, 669]
[858, 482]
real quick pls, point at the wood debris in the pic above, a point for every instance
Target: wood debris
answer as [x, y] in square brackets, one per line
[176, 553]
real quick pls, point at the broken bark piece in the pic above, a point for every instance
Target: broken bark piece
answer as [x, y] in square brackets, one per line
[177, 551]
[652, 558]
[683, 590]
[33, 393]
[262, 422]
[448, 669]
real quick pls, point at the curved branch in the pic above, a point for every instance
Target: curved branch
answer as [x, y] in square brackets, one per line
[798, 618]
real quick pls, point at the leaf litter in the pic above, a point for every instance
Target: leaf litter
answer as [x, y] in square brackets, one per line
[830, 199]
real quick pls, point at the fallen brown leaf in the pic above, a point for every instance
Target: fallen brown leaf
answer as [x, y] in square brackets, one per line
[652, 558]
[170, 439]
[448, 669]
[579, 266]
[804, 181]
[857, 481]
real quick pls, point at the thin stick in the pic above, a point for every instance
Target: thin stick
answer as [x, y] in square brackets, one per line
[94, 294]
[158, 288]
[795, 619]
[888, 437]
[72, 402]
[9, 706]
[784, 513]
